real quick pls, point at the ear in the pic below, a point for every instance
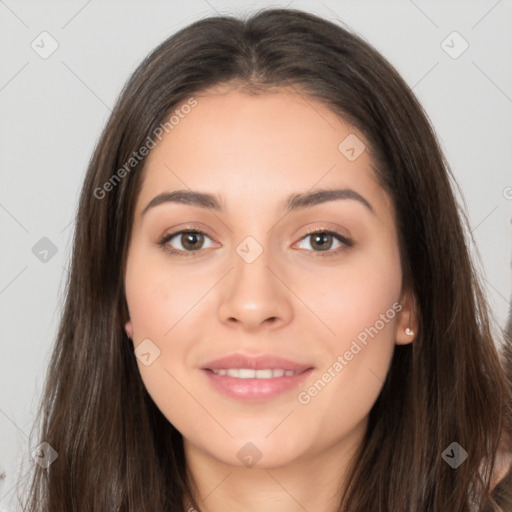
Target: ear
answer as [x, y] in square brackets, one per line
[407, 319]
[129, 329]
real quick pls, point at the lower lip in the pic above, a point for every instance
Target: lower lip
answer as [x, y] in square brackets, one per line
[255, 389]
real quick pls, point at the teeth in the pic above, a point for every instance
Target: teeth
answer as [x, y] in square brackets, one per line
[247, 373]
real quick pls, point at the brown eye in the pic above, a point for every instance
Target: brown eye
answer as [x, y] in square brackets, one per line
[321, 241]
[192, 241]
[185, 242]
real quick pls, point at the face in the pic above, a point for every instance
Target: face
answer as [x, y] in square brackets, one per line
[304, 294]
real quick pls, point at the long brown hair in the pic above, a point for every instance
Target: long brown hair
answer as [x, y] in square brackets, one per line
[116, 450]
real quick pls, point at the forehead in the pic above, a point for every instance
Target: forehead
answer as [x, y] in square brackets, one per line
[266, 146]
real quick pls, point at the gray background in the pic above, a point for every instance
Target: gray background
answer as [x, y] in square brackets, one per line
[53, 109]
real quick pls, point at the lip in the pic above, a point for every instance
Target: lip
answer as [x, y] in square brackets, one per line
[255, 362]
[255, 390]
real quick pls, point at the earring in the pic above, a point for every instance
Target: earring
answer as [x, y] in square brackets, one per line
[409, 331]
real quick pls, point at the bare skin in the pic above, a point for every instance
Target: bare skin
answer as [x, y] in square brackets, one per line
[300, 298]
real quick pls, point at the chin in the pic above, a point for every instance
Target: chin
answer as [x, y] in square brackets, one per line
[256, 451]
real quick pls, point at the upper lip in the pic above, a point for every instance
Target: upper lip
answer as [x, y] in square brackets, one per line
[255, 362]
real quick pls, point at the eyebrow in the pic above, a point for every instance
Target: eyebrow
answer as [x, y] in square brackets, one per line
[292, 203]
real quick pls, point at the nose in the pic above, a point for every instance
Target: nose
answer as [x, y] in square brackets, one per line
[255, 296]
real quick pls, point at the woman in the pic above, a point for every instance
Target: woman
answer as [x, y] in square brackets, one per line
[271, 304]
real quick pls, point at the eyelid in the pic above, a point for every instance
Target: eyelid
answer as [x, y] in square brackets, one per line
[327, 229]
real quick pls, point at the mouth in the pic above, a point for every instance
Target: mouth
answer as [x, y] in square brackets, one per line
[255, 378]
[249, 373]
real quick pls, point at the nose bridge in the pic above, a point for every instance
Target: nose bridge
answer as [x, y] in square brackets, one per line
[252, 262]
[253, 295]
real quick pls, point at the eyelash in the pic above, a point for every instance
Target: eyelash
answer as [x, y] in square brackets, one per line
[347, 243]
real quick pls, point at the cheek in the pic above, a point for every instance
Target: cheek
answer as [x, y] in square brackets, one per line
[352, 296]
[359, 307]
[154, 309]
[158, 296]
[164, 302]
